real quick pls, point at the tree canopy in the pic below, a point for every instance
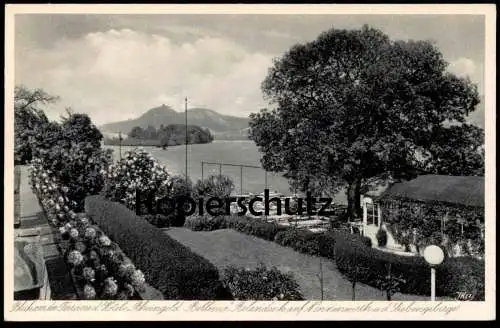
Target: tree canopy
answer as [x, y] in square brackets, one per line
[28, 117]
[353, 106]
[172, 134]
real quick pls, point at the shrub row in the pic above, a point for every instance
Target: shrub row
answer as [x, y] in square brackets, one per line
[307, 242]
[206, 223]
[411, 272]
[243, 224]
[158, 220]
[168, 265]
[261, 284]
[254, 227]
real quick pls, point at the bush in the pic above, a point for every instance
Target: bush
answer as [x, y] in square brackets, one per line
[70, 154]
[168, 266]
[461, 275]
[77, 169]
[254, 227]
[381, 238]
[158, 220]
[307, 242]
[181, 187]
[206, 223]
[219, 186]
[261, 284]
[137, 172]
[351, 252]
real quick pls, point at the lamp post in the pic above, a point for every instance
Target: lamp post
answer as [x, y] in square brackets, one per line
[434, 255]
[120, 143]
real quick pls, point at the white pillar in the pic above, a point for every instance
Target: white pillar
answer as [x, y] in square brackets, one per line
[433, 284]
[365, 213]
[379, 215]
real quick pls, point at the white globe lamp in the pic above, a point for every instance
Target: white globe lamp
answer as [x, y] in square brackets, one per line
[434, 255]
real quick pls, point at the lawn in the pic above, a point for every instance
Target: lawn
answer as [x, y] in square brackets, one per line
[228, 247]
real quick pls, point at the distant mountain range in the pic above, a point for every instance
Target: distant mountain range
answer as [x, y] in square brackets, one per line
[218, 124]
[223, 127]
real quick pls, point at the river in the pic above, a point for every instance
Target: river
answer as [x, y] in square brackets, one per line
[220, 151]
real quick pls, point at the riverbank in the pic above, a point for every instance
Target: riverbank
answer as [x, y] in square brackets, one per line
[243, 152]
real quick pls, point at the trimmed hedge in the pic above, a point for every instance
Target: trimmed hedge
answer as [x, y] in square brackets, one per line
[158, 220]
[461, 275]
[307, 242]
[453, 276]
[205, 223]
[254, 227]
[167, 265]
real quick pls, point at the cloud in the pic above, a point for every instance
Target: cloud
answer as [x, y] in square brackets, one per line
[466, 67]
[120, 73]
[463, 67]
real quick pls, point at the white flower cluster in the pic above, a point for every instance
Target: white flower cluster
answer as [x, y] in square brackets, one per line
[137, 171]
[51, 194]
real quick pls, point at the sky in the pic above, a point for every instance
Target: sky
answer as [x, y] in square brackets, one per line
[115, 67]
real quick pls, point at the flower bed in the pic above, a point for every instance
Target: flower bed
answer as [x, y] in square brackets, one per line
[99, 268]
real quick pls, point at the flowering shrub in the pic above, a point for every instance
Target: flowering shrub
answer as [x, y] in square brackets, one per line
[53, 197]
[70, 154]
[261, 284]
[138, 172]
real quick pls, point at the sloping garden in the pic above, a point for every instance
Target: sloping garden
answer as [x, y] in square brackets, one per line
[115, 248]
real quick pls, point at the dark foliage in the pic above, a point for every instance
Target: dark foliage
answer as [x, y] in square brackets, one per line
[254, 227]
[381, 237]
[454, 275]
[307, 242]
[261, 284]
[167, 265]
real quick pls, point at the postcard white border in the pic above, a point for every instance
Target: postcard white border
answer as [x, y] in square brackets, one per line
[466, 310]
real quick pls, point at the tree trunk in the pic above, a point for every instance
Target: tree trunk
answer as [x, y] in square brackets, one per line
[353, 199]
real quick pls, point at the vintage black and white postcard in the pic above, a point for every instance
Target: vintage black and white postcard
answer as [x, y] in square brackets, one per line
[250, 162]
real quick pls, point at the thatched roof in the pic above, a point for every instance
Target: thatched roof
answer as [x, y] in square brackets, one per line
[454, 190]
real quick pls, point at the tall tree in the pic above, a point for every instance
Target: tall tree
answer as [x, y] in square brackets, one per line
[28, 118]
[353, 106]
[78, 128]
